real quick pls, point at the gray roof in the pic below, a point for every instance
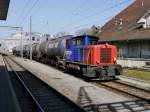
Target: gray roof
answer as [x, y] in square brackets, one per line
[4, 5]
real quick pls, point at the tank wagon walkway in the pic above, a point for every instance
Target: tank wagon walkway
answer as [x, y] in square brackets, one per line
[79, 91]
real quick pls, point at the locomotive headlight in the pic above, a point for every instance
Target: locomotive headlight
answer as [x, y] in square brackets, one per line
[115, 60]
[97, 62]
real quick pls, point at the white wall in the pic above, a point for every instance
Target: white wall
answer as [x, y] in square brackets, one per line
[131, 63]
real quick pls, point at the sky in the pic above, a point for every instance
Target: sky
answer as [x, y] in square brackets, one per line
[53, 16]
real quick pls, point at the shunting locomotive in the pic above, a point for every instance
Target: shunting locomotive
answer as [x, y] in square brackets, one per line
[79, 53]
[91, 59]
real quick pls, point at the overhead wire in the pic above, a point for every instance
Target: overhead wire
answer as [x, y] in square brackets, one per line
[94, 14]
[81, 5]
[40, 7]
[90, 7]
[38, 28]
[23, 10]
[102, 19]
[29, 11]
[77, 8]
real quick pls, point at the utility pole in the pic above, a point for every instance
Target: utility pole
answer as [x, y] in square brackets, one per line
[30, 38]
[21, 30]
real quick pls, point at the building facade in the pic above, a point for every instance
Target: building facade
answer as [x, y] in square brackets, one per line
[130, 31]
[15, 40]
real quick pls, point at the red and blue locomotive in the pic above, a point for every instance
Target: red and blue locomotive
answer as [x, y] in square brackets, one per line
[91, 59]
[79, 53]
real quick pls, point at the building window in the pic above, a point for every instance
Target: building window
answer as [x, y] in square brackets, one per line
[33, 38]
[148, 22]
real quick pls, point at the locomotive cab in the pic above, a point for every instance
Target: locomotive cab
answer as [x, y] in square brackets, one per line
[76, 47]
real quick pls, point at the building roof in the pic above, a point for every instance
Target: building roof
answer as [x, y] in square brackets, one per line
[125, 25]
[4, 5]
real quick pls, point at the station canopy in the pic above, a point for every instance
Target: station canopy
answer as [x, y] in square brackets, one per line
[4, 5]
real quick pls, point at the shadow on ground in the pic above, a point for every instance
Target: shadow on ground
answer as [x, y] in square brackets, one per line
[126, 106]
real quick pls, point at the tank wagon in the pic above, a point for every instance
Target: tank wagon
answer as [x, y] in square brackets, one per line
[53, 50]
[35, 51]
[80, 53]
[26, 50]
[16, 50]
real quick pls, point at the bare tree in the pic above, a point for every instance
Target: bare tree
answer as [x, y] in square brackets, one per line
[88, 31]
[62, 33]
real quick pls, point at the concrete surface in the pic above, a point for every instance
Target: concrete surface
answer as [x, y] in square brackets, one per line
[140, 83]
[80, 91]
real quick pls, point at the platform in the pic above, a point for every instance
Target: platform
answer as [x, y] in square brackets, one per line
[78, 90]
[70, 85]
[7, 97]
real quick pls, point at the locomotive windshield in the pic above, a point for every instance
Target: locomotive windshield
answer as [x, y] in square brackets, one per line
[77, 42]
[93, 41]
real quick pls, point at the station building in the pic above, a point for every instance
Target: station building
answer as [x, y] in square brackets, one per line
[130, 31]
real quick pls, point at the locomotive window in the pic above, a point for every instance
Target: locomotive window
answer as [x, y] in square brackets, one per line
[78, 42]
[92, 41]
[68, 44]
[74, 42]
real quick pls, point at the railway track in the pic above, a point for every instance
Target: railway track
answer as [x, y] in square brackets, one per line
[128, 89]
[36, 96]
